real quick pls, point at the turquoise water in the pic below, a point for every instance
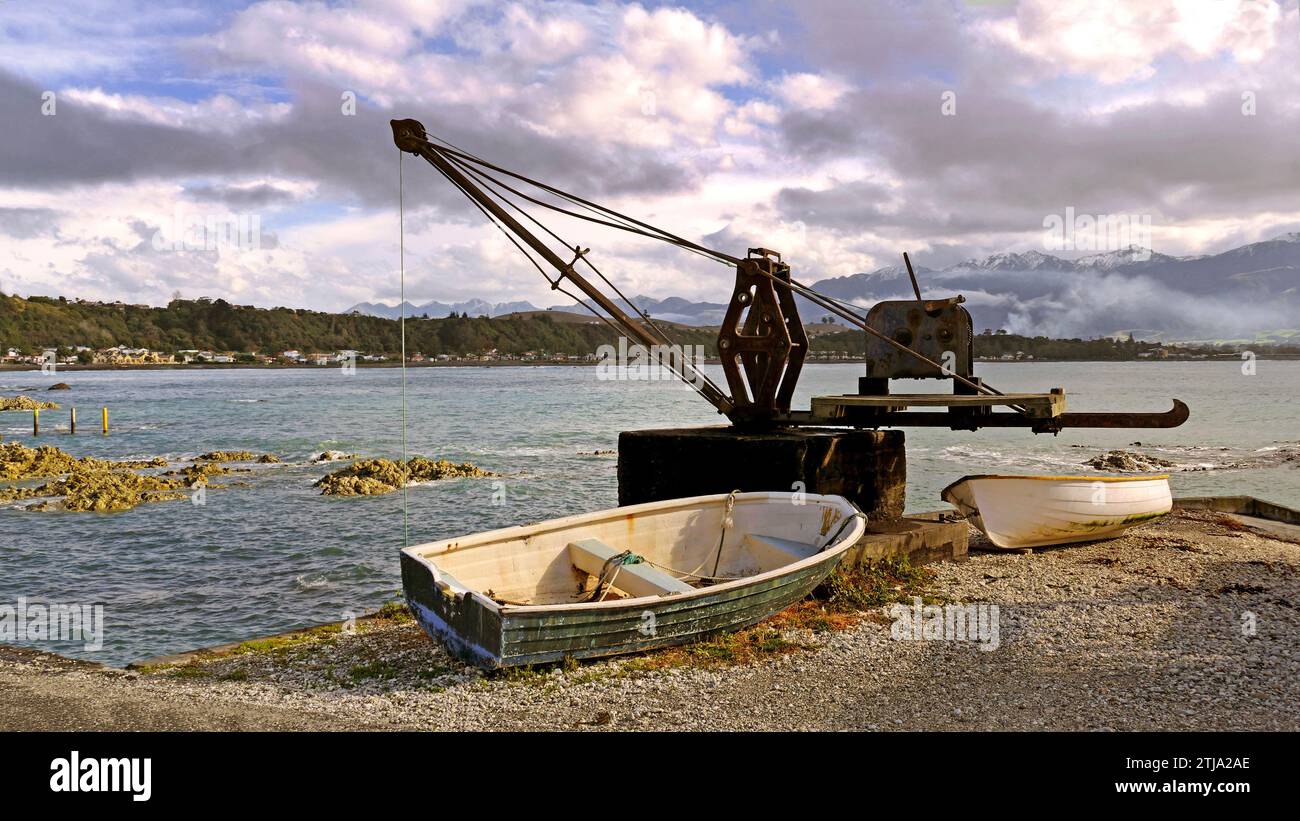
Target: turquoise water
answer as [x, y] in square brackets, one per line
[277, 555]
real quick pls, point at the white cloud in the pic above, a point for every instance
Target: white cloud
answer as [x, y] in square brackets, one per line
[1116, 41]
[812, 91]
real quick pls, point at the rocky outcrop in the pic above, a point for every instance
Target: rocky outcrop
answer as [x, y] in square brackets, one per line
[1125, 461]
[25, 403]
[238, 456]
[372, 477]
[60, 386]
[20, 462]
[102, 491]
[332, 456]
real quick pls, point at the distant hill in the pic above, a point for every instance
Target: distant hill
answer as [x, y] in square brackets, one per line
[438, 310]
[33, 324]
[1246, 293]
[44, 322]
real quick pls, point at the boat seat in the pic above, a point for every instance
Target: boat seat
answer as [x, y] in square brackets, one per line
[772, 552]
[590, 555]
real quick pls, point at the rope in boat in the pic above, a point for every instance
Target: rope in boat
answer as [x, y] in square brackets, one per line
[728, 521]
[857, 514]
[616, 562]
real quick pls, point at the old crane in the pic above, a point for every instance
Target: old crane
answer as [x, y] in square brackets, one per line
[762, 343]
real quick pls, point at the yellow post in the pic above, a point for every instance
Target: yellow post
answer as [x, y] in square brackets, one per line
[105, 417]
[36, 421]
[72, 421]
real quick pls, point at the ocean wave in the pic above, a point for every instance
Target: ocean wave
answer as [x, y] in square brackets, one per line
[316, 582]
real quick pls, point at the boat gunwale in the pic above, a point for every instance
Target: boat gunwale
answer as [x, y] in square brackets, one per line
[1062, 478]
[846, 540]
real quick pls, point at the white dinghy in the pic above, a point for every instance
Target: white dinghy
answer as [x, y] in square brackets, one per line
[1034, 511]
[629, 579]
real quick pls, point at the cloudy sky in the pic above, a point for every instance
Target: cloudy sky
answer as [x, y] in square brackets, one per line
[840, 133]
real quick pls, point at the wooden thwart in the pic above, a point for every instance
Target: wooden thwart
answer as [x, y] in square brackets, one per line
[590, 555]
[1037, 405]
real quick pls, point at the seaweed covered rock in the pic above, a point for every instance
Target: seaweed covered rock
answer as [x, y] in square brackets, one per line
[20, 462]
[59, 386]
[199, 472]
[25, 403]
[371, 477]
[1123, 461]
[238, 456]
[108, 490]
[99, 490]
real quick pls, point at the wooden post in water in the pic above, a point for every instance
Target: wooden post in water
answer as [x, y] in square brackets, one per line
[36, 421]
[105, 419]
[72, 421]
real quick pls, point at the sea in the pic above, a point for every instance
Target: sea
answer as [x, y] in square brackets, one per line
[274, 554]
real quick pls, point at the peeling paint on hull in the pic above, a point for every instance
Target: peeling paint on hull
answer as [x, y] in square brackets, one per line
[486, 633]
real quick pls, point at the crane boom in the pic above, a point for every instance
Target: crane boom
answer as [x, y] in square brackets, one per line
[410, 136]
[762, 344]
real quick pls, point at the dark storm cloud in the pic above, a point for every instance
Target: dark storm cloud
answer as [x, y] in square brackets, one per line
[240, 197]
[350, 156]
[24, 223]
[1003, 163]
[80, 144]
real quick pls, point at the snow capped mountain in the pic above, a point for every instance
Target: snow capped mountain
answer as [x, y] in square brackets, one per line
[1111, 260]
[1028, 261]
[438, 310]
[672, 309]
[1237, 293]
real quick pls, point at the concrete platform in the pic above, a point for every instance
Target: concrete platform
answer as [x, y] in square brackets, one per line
[867, 467]
[920, 538]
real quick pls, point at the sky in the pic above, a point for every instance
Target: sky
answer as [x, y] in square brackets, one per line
[839, 132]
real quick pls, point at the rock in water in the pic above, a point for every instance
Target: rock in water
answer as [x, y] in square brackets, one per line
[60, 386]
[25, 403]
[372, 477]
[332, 456]
[237, 456]
[1123, 461]
[20, 462]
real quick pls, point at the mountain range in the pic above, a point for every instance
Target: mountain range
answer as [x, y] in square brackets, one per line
[1252, 291]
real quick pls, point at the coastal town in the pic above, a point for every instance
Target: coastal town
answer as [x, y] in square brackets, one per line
[123, 356]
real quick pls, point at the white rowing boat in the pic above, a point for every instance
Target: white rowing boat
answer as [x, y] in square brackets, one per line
[1034, 511]
[628, 579]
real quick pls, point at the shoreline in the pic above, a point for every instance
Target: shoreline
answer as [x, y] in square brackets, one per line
[1136, 633]
[172, 366]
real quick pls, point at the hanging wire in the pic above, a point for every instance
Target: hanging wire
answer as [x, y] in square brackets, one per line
[630, 224]
[490, 183]
[401, 251]
[695, 373]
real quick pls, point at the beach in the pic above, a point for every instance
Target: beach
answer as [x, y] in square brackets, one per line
[1144, 632]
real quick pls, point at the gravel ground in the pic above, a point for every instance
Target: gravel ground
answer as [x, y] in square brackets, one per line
[1142, 632]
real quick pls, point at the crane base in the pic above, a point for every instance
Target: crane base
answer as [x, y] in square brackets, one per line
[867, 467]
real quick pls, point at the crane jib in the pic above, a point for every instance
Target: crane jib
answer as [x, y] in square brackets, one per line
[762, 343]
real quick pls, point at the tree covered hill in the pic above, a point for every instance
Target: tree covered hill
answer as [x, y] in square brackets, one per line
[36, 323]
[44, 322]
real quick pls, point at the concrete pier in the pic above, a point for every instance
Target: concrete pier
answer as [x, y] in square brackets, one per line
[869, 468]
